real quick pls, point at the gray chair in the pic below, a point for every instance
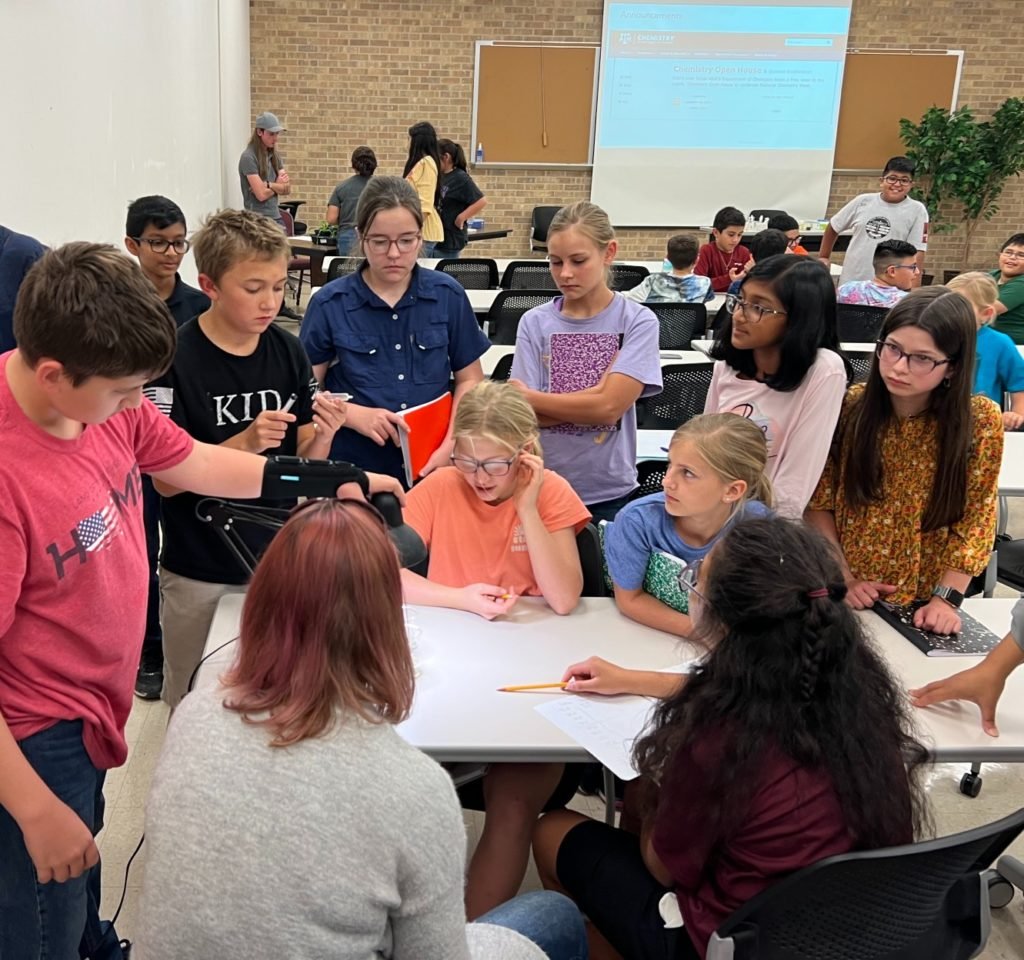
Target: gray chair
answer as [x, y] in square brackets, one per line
[857, 323]
[507, 309]
[923, 900]
[684, 392]
[540, 221]
[625, 276]
[473, 274]
[528, 275]
[342, 267]
[679, 323]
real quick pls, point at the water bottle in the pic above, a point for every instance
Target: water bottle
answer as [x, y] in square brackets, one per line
[479, 153]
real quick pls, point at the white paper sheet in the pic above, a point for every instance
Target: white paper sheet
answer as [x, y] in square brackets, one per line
[606, 727]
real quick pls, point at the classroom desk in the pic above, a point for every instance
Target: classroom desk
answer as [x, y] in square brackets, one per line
[319, 255]
[458, 715]
[810, 240]
[653, 266]
[668, 357]
[481, 300]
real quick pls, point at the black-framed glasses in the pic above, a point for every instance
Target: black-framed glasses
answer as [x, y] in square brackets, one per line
[689, 577]
[753, 312]
[160, 244]
[405, 243]
[916, 362]
[912, 267]
[493, 468]
[898, 181]
[793, 242]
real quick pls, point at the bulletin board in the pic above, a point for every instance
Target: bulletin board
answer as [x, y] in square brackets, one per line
[879, 88]
[533, 104]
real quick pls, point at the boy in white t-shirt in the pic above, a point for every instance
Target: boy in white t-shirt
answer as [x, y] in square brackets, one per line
[873, 217]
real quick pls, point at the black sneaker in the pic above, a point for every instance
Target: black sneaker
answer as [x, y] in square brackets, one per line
[149, 681]
[288, 313]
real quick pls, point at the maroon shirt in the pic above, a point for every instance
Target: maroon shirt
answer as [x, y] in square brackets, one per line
[711, 262]
[793, 821]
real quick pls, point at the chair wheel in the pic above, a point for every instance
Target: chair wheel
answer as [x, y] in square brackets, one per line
[970, 784]
[1000, 892]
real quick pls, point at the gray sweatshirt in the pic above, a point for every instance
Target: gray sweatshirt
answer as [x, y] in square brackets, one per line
[347, 847]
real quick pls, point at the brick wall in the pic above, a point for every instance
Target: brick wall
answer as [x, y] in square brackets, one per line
[362, 71]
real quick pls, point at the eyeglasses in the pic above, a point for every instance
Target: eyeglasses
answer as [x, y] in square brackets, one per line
[689, 576]
[898, 181]
[912, 267]
[916, 362]
[160, 244]
[493, 468]
[383, 244]
[1012, 254]
[793, 242]
[754, 312]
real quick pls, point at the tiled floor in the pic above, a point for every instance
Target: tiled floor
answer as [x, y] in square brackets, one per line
[1003, 792]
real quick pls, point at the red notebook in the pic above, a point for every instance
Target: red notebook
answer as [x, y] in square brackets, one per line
[428, 426]
[578, 362]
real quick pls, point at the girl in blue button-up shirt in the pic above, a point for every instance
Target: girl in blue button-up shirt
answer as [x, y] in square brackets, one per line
[392, 335]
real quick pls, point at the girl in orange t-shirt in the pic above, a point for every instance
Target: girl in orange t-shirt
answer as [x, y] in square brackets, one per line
[499, 526]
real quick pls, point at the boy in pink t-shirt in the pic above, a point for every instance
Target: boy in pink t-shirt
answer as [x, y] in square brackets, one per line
[77, 437]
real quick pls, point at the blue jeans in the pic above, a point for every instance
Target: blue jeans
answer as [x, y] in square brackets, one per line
[427, 251]
[447, 253]
[550, 920]
[346, 241]
[54, 921]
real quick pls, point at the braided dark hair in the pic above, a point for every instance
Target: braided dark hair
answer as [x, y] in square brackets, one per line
[790, 669]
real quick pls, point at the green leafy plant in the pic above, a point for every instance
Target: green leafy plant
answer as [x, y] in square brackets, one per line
[963, 164]
[327, 229]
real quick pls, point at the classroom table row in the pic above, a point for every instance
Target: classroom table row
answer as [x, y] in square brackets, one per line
[461, 660]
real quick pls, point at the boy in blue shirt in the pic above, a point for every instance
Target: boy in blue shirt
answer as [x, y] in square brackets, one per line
[1000, 367]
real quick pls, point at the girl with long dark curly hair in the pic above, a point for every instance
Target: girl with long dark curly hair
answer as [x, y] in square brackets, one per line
[791, 742]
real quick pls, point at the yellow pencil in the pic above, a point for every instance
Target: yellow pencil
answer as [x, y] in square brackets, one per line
[533, 686]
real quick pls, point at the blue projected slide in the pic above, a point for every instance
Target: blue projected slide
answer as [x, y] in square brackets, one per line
[702, 76]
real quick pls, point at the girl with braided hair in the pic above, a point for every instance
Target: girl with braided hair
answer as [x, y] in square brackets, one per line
[789, 743]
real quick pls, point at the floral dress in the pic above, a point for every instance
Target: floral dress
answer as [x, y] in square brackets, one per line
[884, 541]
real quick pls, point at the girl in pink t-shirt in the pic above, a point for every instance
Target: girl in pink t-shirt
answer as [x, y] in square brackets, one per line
[779, 365]
[498, 526]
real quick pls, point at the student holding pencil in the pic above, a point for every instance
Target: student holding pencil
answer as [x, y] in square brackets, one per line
[497, 515]
[788, 744]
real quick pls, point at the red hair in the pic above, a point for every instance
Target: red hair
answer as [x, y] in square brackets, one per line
[322, 626]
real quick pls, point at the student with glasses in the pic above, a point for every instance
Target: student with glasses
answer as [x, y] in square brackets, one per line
[784, 746]
[779, 365]
[896, 271]
[890, 214]
[1009, 277]
[499, 526]
[392, 335]
[909, 492]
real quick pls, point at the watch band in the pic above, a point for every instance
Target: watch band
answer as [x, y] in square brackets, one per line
[951, 595]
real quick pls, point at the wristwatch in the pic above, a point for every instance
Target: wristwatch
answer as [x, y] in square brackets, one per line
[953, 597]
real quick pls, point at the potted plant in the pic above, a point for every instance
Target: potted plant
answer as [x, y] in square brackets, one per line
[963, 164]
[326, 234]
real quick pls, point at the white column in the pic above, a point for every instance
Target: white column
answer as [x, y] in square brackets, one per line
[235, 111]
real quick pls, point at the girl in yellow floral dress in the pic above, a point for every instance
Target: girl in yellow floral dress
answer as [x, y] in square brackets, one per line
[909, 490]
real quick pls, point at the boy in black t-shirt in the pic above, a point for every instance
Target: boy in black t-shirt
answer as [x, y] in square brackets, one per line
[239, 381]
[156, 233]
[460, 199]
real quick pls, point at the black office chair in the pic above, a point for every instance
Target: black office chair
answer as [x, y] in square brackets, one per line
[649, 474]
[861, 363]
[527, 275]
[503, 368]
[540, 220]
[683, 396]
[625, 276]
[679, 323]
[948, 275]
[473, 274]
[859, 324]
[588, 542]
[342, 267]
[766, 214]
[927, 899]
[508, 307]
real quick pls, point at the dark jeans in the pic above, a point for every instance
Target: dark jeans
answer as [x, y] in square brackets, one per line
[447, 253]
[346, 241]
[153, 642]
[606, 509]
[427, 252]
[54, 921]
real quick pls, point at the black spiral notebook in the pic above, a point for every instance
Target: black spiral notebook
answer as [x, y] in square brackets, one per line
[973, 640]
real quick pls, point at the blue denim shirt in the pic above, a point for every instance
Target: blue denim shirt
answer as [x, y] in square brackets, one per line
[395, 358]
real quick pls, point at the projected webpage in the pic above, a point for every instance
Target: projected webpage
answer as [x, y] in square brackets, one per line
[700, 89]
